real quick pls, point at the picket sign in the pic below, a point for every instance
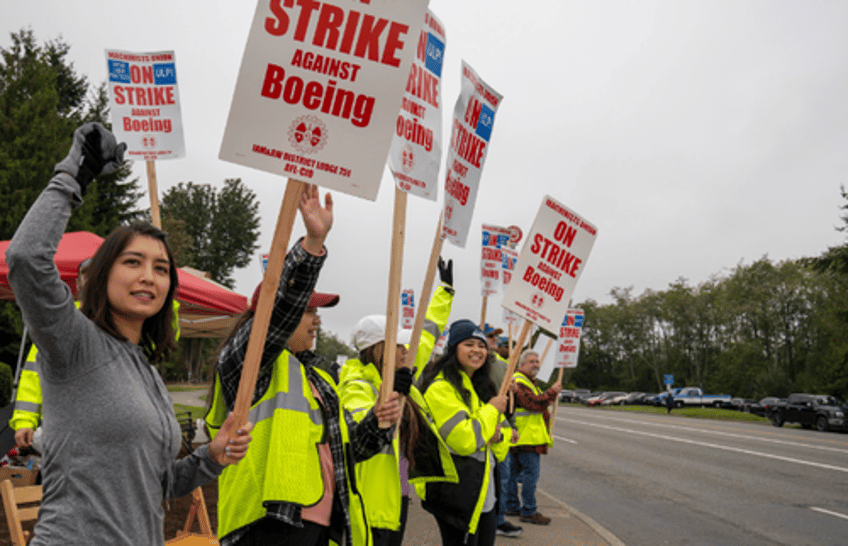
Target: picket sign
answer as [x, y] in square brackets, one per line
[267, 293]
[144, 101]
[288, 117]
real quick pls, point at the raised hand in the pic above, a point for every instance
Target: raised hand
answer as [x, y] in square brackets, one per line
[317, 219]
[94, 151]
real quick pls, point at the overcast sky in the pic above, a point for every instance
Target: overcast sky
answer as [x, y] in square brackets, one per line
[696, 135]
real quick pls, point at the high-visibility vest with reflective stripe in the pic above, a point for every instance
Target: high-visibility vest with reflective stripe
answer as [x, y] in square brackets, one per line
[282, 463]
[27, 412]
[379, 476]
[532, 430]
[466, 430]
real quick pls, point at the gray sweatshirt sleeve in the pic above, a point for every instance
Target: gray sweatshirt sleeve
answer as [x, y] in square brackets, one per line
[193, 471]
[45, 300]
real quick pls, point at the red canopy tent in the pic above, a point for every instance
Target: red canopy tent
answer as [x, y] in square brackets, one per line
[207, 309]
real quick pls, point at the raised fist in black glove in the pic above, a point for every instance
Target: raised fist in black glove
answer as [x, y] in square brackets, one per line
[446, 271]
[94, 151]
[403, 380]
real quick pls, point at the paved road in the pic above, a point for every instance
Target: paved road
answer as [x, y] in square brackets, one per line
[655, 479]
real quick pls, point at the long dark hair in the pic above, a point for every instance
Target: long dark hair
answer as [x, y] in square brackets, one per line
[411, 421]
[157, 332]
[449, 364]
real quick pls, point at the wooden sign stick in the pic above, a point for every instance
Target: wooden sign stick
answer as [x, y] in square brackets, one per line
[513, 357]
[153, 192]
[511, 349]
[483, 313]
[424, 298]
[395, 269]
[556, 404]
[545, 353]
[267, 293]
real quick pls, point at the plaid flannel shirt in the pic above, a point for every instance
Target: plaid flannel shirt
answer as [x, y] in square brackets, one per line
[297, 281]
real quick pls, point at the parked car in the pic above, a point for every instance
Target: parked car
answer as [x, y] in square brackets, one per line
[595, 399]
[566, 395]
[659, 399]
[579, 396]
[613, 398]
[631, 398]
[819, 410]
[693, 396]
[761, 408]
[738, 404]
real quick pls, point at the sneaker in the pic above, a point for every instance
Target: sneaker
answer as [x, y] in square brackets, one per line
[506, 529]
[536, 518]
[512, 513]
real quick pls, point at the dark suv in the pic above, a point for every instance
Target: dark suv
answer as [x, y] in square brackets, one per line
[819, 410]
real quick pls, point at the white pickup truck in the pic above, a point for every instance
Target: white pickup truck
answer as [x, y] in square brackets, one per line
[693, 396]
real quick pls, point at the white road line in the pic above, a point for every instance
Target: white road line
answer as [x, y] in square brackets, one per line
[720, 433]
[564, 439]
[828, 512]
[715, 446]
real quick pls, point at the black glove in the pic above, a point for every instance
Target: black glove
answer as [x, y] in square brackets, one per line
[446, 271]
[94, 151]
[403, 380]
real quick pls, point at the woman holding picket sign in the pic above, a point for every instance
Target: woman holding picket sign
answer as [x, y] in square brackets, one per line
[111, 436]
[468, 412]
[295, 485]
[418, 454]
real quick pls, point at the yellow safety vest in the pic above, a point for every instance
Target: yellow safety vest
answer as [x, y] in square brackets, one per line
[27, 412]
[282, 464]
[532, 430]
[467, 431]
[379, 476]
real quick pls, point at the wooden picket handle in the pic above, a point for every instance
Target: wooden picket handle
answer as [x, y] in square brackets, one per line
[395, 270]
[513, 358]
[483, 313]
[424, 298]
[153, 194]
[556, 402]
[267, 293]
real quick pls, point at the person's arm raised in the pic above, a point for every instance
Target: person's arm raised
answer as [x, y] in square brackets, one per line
[318, 220]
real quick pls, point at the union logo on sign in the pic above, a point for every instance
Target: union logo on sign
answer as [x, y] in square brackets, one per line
[407, 159]
[308, 134]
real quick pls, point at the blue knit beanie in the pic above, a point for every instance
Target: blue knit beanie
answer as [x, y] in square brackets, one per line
[462, 330]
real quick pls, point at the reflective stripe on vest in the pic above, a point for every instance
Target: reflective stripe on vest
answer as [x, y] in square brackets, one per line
[532, 430]
[288, 425]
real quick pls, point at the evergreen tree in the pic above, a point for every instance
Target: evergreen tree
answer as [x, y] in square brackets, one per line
[42, 101]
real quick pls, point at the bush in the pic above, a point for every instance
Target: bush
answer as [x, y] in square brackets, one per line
[5, 384]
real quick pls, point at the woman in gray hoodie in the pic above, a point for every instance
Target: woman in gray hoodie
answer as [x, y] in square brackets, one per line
[112, 436]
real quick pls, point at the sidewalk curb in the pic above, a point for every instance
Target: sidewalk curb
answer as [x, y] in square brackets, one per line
[595, 526]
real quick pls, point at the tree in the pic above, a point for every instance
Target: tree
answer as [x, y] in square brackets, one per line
[42, 101]
[223, 226]
[328, 345]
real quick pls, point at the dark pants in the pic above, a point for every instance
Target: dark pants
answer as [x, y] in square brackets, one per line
[273, 531]
[485, 535]
[387, 537]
